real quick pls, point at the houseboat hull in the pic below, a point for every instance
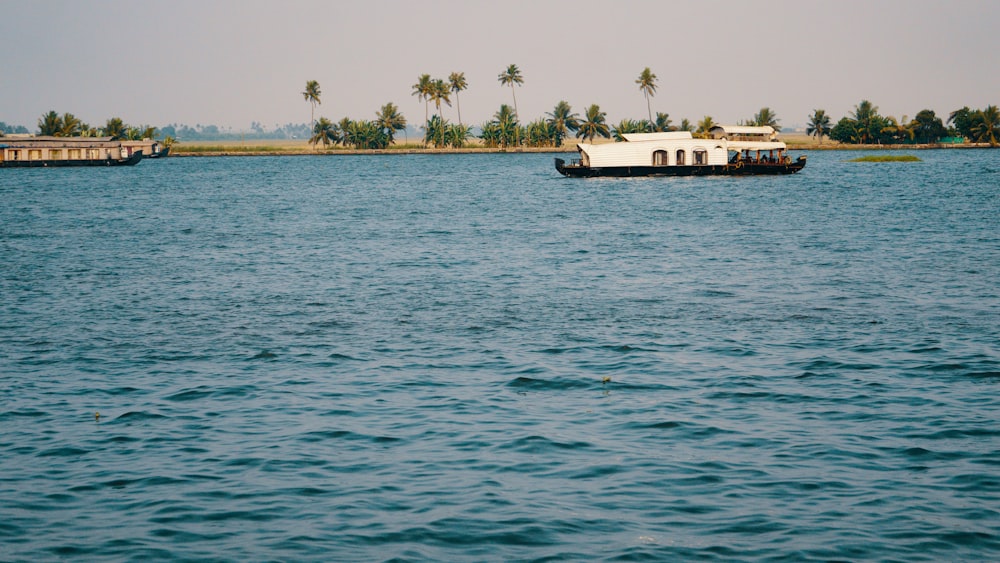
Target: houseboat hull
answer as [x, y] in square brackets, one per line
[132, 160]
[735, 169]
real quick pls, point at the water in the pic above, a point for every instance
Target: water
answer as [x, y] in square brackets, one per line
[469, 357]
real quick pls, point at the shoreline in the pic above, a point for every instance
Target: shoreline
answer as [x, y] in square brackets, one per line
[285, 147]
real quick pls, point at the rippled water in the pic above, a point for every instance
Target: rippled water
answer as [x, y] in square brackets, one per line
[469, 357]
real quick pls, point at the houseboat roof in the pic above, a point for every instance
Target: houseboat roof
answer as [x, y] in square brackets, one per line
[42, 141]
[730, 131]
[662, 136]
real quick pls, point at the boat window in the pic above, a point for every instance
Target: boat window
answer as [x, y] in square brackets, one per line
[660, 158]
[700, 157]
[74, 154]
[680, 158]
[34, 154]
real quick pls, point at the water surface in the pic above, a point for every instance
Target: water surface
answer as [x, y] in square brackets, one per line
[469, 357]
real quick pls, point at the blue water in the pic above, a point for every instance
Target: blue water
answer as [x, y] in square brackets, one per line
[471, 358]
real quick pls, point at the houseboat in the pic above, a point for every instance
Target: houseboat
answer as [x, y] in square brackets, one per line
[151, 148]
[28, 151]
[728, 150]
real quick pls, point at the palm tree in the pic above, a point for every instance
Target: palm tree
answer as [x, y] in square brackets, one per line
[345, 126]
[686, 125]
[115, 127]
[986, 125]
[705, 125]
[562, 120]
[594, 124]
[440, 93]
[766, 118]
[504, 129]
[647, 84]
[324, 131]
[898, 131]
[819, 124]
[662, 122]
[311, 95]
[867, 117]
[512, 76]
[627, 126]
[50, 124]
[422, 90]
[458, 83]
[390, 120]
[71, 126]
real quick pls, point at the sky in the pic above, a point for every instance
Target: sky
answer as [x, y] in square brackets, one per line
[233, 62]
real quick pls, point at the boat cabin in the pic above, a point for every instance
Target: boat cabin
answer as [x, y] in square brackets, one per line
[42, 149]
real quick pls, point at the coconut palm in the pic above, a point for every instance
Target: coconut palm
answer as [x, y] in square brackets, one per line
[868, 120]
[562, 120]
[458, 83]
[662, 122]
[705, 125]
[511, 76]
[986, 125]
[324, 131]
[311, 95]
[819, 124]
[50, 124]
[504, 130]
[627, 126]
[766, 118]
[390, 120]
[422, 90]
[899, 131]
[115, 127]
[71, 126]
[686, 125]
[594, 124]
[647, 84]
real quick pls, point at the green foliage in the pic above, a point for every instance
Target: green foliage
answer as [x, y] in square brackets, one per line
[365, 135]
[594, 124]
[886, 158]
[503, 131]
[50, 124]
[563, 121]
[390, 120]
[927, 127]
[647, 85]
[765, 117]
[326, 132]
[662, 123]
[819, 124]
[986, 125]
[705, 125]
[311, 95]
[627, 126]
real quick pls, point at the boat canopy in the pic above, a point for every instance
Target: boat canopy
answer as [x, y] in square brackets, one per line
[662, 136]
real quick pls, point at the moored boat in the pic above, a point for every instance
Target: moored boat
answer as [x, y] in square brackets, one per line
[39, 152]
[727, 151]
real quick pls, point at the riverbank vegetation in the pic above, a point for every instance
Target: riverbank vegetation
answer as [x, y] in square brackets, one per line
[886, 158]
[505, 130]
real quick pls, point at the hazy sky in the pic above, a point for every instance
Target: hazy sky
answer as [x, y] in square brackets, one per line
[232, 62]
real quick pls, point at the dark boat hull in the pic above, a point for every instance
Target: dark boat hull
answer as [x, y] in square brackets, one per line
[132, 160]
[739, 169]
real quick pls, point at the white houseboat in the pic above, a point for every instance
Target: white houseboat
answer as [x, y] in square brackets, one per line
[728, 150]
[29, 151]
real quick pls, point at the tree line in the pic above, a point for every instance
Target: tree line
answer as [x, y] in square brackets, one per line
[866, 126]
[863, 126]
